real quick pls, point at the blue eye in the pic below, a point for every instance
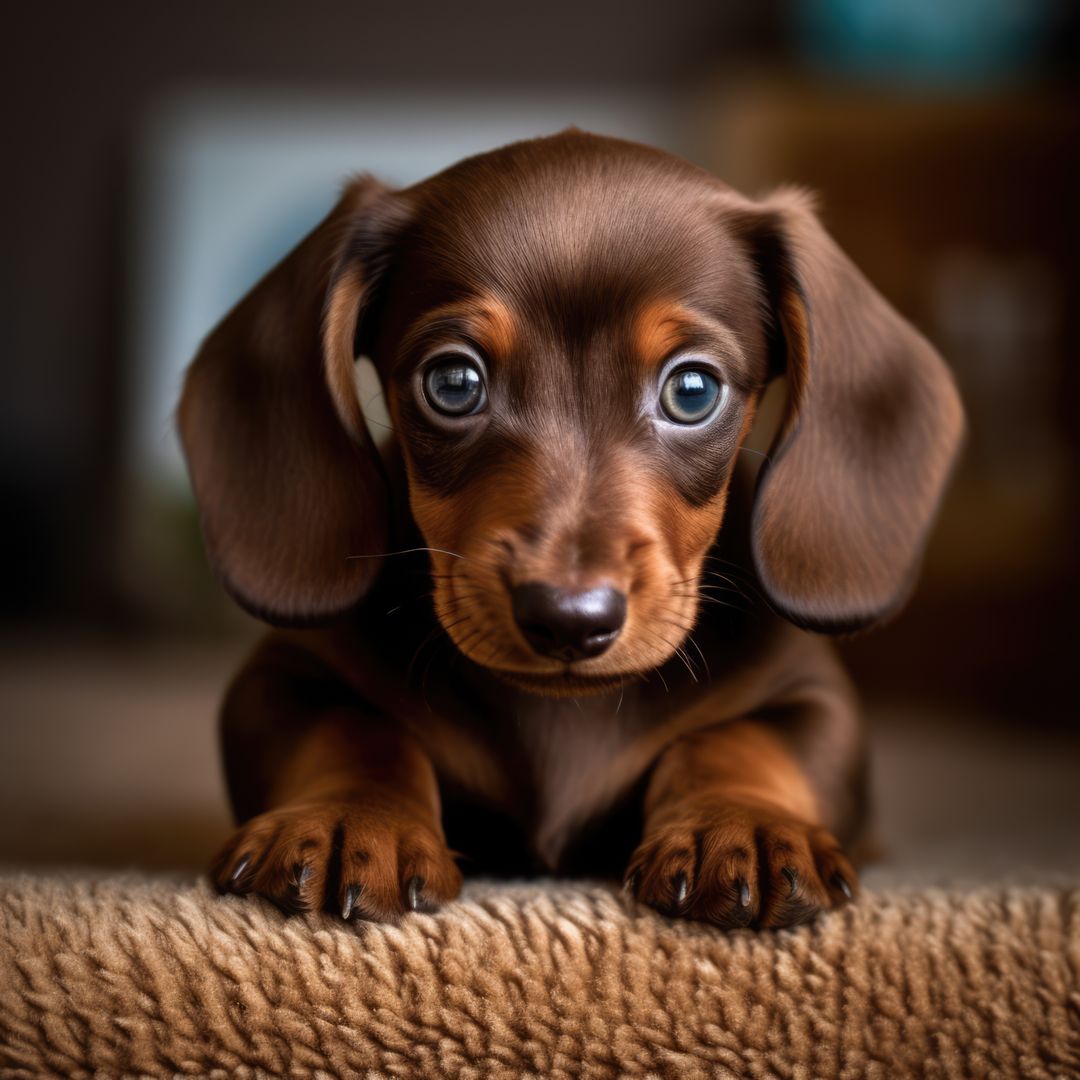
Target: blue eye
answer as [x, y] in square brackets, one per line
[690, 395]
[454, 386]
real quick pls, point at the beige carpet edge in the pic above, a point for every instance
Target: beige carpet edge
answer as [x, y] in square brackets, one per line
[128, 976]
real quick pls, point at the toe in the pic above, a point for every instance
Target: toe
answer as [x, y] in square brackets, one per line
[662, 872]
[429, 875]
[237, 865]
[369, 877]
[728, 893]
[834, 869]
[794, 891]
[293, 875]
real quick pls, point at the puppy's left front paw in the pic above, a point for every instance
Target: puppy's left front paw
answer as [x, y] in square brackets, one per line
[740, 866]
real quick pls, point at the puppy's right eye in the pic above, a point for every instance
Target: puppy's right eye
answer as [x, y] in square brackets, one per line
[454, 385]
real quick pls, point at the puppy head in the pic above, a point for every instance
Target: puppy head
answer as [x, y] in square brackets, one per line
[573, 334]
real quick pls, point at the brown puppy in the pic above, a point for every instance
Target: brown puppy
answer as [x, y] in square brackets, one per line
[572, 334]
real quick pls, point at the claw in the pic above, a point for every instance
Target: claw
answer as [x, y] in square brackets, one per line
[841, 883]
[681, 887]
[792, 880]
[414, 892]
[744, 892]
[239, 869]
[351, 895]
[632, 883]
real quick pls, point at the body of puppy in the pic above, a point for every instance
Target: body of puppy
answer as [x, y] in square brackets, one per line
[598, 659]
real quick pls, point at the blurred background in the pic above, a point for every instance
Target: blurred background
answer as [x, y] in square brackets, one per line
[161, 159]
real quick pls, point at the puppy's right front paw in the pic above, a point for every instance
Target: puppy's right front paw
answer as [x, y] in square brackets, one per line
[353, 858]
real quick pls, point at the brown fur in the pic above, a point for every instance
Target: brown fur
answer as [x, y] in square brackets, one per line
[713, 749]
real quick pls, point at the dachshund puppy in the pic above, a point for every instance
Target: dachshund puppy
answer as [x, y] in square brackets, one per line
[608, 654]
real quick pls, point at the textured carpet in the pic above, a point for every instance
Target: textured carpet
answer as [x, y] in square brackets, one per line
[151, 977]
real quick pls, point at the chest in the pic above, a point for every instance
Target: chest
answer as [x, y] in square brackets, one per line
[544, 776]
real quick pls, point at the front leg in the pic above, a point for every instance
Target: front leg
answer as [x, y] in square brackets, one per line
[342, 806]
[734, 834]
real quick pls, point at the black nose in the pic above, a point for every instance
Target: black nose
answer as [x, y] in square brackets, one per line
[569, 624]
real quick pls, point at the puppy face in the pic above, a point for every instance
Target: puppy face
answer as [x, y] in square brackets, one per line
[571, 370]
[573, 334]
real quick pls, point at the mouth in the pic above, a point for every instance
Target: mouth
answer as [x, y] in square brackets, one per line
[564, 683]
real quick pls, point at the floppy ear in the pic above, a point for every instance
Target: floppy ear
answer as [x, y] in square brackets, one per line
[286, 478]
[873, 423]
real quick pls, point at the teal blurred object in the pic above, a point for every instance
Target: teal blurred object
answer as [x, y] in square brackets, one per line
[924, 42]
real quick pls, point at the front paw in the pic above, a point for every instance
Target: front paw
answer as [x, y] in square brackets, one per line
[370, 859]
[739, 866]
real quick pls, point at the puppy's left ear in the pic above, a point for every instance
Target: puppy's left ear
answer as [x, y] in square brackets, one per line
[873, 425]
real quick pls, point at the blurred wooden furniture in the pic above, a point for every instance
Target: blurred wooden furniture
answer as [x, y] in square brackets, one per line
[963, 210]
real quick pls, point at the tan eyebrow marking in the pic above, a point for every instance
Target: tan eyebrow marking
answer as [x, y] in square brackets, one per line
[501, 327]
[658, 331]
[486, 318]
[667, 325]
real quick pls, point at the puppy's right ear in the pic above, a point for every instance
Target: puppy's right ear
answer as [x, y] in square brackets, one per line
[286, 477]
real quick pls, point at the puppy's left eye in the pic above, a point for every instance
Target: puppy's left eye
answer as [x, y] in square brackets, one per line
[691, 394]
[454, 386]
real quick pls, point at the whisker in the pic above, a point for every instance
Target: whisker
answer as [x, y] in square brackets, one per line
[427, 594]
[420, 648]
[704, 662]
[378, 423]
[742, 588]
[686, 663]
[723, 577]
[723, 603]
[708, 585]
[721, 588]
[715, 600]
[758, 453]
[667, 644]
[406, 551]
[681, 653]
[743, 577]
[368, 419]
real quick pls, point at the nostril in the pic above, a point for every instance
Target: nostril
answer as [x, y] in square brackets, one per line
[566, 623]
[537, 632]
